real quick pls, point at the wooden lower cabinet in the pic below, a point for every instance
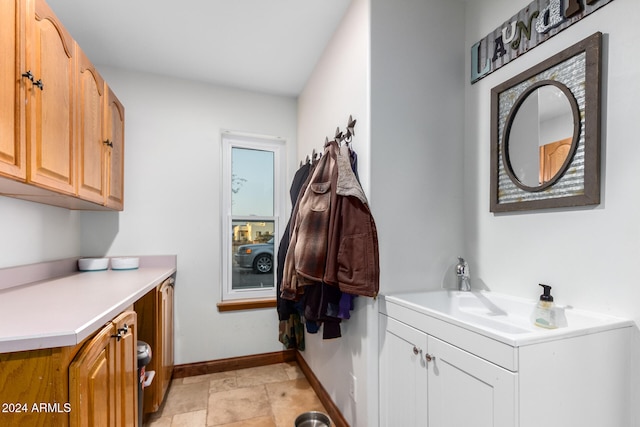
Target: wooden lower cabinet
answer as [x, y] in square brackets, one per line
[29, 379]
[102, 378]
[90, 384]
[165, 325]
[126, 364]
[155, 327]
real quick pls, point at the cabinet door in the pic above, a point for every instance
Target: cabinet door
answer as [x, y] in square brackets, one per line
[148, 314]
[465, 390]
[403, 375]
[115, 153]
[165, 323]
[12, 86]
[92, 382]
[155, 320]
[50, 116]
[91, 147]
[126, 370]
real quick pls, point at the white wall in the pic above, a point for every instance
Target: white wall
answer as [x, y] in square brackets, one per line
[408, 56]
[32, 232]
[172, 200]
[417, 69]
[339, 87]
[588, 254]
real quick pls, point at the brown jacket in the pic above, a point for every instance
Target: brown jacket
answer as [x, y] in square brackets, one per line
[333, 238]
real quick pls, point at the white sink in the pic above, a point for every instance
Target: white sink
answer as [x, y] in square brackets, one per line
[503, 317]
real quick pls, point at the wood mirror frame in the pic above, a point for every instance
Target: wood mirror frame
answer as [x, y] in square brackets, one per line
[577, 70]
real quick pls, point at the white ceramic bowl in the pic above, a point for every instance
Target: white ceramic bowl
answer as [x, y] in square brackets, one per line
[93, 264]
[129, 263]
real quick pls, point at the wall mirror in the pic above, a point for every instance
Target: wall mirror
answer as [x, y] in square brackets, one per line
[545, 133]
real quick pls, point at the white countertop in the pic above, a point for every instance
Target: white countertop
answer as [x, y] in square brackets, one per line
[64, 311]
[502, 317]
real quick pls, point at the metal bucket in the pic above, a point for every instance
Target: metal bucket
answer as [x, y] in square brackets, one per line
[312, 419]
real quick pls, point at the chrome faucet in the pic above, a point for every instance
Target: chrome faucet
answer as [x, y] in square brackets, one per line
[462, 272]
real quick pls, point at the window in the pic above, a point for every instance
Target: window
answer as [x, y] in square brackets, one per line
[253, 209]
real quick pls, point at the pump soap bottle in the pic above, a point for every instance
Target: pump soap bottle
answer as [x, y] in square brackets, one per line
[544, 313]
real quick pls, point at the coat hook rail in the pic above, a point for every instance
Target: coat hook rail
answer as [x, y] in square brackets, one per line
[345, 136]
[339, 138]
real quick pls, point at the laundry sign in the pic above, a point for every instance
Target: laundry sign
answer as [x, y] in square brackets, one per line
[533, 25]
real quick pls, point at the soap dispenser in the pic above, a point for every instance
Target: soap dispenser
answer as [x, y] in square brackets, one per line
[544, 314]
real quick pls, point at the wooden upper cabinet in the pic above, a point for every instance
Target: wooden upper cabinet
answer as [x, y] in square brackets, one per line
[115, 151]
[90, 126]
[12, 86]
[100, 138]
[61, 126]
[50, 117]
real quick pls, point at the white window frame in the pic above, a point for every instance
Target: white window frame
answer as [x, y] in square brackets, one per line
[276, 145]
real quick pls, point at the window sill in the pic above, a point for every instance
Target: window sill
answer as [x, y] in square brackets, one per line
[246, 304]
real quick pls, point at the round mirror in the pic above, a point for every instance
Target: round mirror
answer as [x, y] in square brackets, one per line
[541, 135]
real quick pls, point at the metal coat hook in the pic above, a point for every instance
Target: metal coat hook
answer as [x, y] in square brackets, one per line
[339, 137]
[350, 130]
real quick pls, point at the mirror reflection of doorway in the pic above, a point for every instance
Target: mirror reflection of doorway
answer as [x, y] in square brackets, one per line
[540, 135]
[552, 157]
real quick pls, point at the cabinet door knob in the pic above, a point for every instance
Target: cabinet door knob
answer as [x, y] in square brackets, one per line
[28, 75]
[108, 142]
[429, 358]
[121, 331]
[416, 350]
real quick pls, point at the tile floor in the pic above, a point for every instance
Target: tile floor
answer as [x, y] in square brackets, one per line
[266, 396]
